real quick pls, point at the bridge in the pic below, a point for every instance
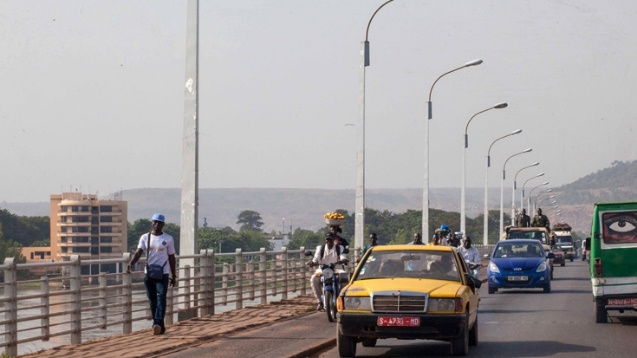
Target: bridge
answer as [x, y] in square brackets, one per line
[74, 315]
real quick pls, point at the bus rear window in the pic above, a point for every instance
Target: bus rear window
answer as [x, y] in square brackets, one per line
[619, 227]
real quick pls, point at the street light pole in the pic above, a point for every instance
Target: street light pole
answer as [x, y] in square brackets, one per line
[425, 187]
[485, 231]
[523, 185]
[359, 217]
[464, 166]
[538, 200]
[528, 199]
[502, 186]
[515, 186]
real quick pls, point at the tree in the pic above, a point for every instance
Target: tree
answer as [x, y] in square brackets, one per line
[10, 248]
[250, 220]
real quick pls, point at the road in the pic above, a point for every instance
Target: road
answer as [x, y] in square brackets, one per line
[530, 323]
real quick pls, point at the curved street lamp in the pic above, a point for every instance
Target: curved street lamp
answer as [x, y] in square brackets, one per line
[528, 199]
[541, 197]
[359, 218]
[515, 186]
[485, 230]
[502, 186]
[425, 194]
[523, 185]
[464, 165]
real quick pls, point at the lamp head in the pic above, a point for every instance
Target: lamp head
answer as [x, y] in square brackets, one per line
[501, 105]
[517, 131]
[473, 63]
[528, 150]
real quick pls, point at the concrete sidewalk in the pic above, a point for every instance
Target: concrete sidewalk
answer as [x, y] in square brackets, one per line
[187, 333]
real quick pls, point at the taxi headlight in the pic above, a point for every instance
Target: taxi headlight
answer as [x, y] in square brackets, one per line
[443, 304]
[357, 303]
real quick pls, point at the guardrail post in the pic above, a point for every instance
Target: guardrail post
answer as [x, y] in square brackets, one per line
[263, 256]
[204, 289]
[303, 271]
[75, 281]
[127, 297]
[11, 308]
[102, 300]
[212, 282]
[186, 289]
[44, 309]
[224, 283]
[238, 281]
[284, 264]
[250, 276]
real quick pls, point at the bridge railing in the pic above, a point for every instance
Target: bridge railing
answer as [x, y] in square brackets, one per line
[67, 303]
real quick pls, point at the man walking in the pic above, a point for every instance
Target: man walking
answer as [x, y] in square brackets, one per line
[160, 250]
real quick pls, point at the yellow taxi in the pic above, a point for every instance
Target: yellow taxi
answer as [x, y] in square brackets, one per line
[409, 292]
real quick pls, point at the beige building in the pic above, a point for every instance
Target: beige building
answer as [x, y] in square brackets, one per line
[82, 224]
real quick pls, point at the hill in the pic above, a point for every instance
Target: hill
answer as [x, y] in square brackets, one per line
[285, 208]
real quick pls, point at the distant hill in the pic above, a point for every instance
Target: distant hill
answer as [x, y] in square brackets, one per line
[305, 207]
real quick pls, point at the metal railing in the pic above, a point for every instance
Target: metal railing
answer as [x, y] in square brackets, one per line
[71, 302]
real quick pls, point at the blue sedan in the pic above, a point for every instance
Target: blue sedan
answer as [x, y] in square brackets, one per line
[519, 263]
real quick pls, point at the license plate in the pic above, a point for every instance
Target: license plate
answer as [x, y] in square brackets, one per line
[518, 278]
[398, 321]
[622, 301]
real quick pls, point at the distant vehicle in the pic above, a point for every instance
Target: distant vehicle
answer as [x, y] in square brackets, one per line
[409, 292]
[564, 240]
[538, 233]
[519, 263]
[613, 249]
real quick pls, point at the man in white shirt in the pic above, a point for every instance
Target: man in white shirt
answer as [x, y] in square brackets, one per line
[471, 255]
[327, 253]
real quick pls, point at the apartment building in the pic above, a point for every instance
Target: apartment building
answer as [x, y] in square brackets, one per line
[93, 228]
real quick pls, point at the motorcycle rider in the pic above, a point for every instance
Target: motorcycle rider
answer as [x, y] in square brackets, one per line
[471, 256]
[328, 253]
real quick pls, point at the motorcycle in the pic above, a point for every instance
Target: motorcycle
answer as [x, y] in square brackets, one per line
[331, 282]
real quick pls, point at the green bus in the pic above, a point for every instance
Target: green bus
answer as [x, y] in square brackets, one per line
[613, 252]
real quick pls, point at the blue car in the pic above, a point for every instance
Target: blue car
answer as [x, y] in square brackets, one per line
[519, 263]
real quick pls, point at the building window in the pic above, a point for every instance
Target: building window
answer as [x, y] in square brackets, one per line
[106, 250]
[81, 249]
[106, 229]
[63, 219]
[80, 239]
[63, 239]
[64, 208]
[106, 219]
[106, 239]
[63, 229]
[65, 249]
[80, 219]
[80, 229]
[106, 209]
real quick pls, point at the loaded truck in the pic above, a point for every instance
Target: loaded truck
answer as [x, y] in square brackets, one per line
[561, 233]
[613, 248]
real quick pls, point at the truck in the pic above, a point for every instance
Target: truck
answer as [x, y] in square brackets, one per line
[561, 233]
[613, 248]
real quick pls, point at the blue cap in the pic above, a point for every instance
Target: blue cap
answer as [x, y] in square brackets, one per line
[158, 217]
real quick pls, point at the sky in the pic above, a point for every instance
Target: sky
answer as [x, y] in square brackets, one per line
[93, 92]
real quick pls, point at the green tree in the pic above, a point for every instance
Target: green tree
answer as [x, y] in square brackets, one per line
[10, 248]
[144, 226]
[250, 220]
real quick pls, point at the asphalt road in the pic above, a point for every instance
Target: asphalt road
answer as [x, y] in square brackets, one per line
[530, 323]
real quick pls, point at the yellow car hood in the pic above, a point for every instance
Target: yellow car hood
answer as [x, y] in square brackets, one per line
[435, 288]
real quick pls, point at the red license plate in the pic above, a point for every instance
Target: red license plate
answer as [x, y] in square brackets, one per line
[398, 321]
[622, 301]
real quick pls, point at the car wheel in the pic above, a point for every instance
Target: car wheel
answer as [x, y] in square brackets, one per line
[492, 290]
[346, 345]
[601, 316]
[369, 342]
[460, 344]
[473, 333]
[547, 288]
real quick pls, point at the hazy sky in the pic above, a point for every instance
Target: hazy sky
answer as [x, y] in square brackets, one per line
[92, 92]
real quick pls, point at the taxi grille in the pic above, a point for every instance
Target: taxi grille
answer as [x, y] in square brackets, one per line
[399, 302]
